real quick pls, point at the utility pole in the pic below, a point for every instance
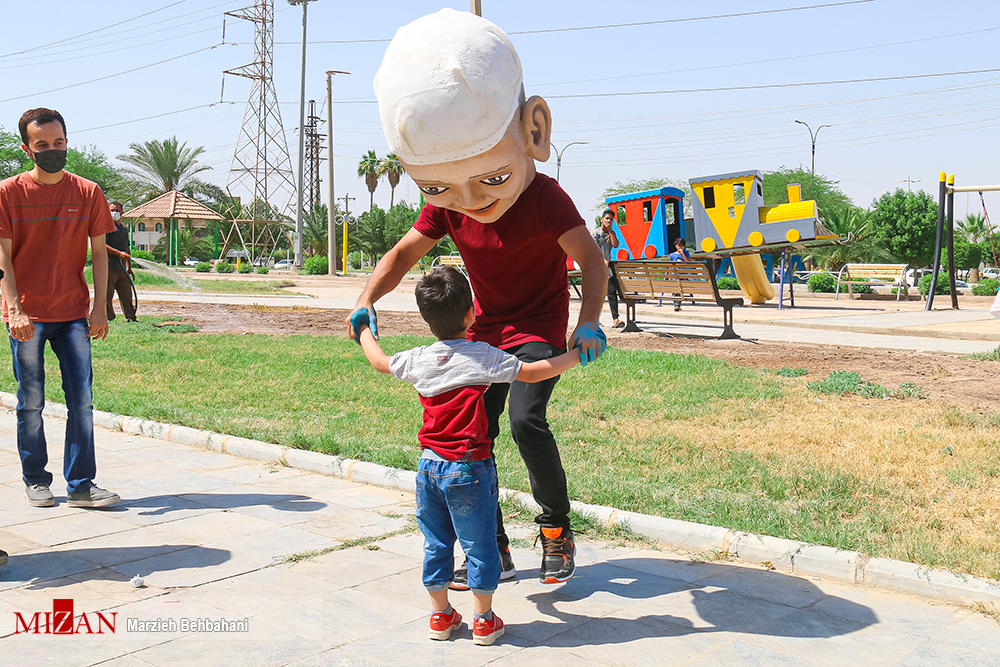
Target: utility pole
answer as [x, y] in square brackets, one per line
[314, 146]
[331, 226]
[347, 219]
[302, 135]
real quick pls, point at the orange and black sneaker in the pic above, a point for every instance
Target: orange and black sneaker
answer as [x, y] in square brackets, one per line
[558, 550]
[442, 624]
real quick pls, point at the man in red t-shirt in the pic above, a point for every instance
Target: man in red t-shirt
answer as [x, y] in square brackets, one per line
[453, 111]
[47, 217]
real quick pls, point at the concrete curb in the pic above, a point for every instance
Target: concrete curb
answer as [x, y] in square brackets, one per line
[798, 558]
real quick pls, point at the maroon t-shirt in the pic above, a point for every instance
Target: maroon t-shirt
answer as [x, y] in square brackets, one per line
[516, 265]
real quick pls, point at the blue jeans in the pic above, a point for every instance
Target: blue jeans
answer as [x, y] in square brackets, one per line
[459, 501]
[71, 344]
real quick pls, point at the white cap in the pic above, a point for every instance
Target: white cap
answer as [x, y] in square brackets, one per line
[448, 88]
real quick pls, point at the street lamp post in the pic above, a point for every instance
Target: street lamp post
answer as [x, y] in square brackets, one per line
[302, 136]
[331, 226]
[908, 181]
[559, 154]
[812, 137]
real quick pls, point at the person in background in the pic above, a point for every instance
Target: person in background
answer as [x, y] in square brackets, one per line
[606, 239]
[680, 254]
[119, 266]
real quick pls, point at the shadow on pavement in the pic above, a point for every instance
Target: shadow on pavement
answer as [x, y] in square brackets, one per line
[49, 569]
[725, 599]
[159, 505]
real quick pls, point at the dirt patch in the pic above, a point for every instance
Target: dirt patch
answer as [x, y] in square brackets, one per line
[967, 383]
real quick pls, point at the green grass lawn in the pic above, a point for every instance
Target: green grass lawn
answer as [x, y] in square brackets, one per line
[665, 434]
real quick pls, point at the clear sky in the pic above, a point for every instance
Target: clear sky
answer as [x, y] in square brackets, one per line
[658, 89]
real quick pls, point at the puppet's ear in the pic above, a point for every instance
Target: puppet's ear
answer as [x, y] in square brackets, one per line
[536, 128]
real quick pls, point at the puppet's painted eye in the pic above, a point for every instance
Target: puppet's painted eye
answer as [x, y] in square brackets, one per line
[499, 179]
[432, 190]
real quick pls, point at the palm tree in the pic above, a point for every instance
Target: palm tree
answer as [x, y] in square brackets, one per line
[392, 170]
[315, 231]
[368, 168]
[854, 223]
[973, 228]
[157, 167]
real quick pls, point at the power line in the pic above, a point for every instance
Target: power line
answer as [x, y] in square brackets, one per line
[625, 25]
[111, 76]
[744, 63]
[693, 18]
[773, 85]
[91, 32]
[159, 115]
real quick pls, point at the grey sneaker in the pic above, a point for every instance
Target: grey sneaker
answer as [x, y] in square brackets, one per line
[38, 495]
[3, 557]
[95, 496]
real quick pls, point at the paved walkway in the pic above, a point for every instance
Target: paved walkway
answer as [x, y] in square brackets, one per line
[211, 535]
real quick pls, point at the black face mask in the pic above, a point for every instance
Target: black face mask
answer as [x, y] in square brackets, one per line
[51, 162]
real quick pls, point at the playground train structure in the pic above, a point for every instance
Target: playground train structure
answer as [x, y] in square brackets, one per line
[731, 223]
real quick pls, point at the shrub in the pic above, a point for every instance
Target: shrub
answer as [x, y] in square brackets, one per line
[789, 372]
[202, 267]
[224, 267]
[728, 282]
[821, 282]
[144, 254]
[942, 287]
[317, 265]
[262, 270]
[245, 267]
[986, 287]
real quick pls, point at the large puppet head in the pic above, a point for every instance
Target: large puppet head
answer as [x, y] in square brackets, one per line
[453, 111]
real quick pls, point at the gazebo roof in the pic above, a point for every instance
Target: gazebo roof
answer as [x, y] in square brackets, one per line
[173, 204]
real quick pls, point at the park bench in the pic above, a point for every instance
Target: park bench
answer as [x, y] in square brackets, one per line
[454, 261]
[661, 279]
[893, 275]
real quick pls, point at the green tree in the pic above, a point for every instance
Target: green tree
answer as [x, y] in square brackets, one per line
[368, 169]
[390, 168]
[157, 167]
[643, 184]
[91, 163]
[967, 255]
[314, 231]
[12, 159]
[816, 187]
[370, 233]
[905, 225]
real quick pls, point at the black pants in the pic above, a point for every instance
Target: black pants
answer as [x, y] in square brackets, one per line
[118, 282]
[535, 442]
[614, 292]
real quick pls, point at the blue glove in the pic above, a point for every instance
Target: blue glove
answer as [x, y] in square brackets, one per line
[589, 332]
[361, 317]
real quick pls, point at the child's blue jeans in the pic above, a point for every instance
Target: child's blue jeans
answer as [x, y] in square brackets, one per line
[458, 500]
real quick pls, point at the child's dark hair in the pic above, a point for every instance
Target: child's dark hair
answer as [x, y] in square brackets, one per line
[444, 297]
[680, 241]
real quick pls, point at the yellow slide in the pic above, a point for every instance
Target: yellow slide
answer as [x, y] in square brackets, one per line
[753, 279]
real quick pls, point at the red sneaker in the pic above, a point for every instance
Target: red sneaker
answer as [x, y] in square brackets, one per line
[441, 625]
[485, 633]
